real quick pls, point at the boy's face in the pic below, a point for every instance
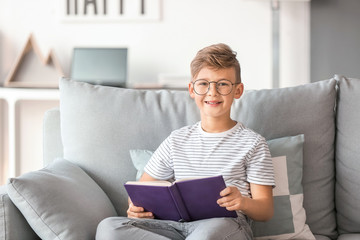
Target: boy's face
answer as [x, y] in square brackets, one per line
[213, 104]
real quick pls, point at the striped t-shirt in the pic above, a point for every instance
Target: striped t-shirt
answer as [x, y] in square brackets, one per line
[240, 155]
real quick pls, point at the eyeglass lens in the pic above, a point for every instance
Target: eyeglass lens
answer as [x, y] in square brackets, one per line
[223, 87]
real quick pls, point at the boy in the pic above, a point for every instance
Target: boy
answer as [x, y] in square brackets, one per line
[217, 145]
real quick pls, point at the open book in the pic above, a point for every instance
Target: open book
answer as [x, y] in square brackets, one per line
[183, 200]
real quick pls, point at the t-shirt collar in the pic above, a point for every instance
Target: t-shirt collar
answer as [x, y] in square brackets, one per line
[219, 134]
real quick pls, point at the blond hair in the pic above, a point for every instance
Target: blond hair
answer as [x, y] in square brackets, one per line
[217, 56]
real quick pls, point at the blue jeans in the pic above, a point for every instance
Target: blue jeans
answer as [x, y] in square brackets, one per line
[152, 229]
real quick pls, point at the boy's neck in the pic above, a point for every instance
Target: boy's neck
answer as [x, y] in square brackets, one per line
[214, 125]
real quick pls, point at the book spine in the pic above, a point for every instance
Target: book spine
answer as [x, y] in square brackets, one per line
[175, 194]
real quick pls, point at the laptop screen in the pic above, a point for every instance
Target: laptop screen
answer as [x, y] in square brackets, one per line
[103, 66]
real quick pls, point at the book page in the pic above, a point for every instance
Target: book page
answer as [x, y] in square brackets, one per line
[189, 179]
[150, 183]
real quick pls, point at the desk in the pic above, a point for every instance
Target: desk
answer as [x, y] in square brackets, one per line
[10, 114]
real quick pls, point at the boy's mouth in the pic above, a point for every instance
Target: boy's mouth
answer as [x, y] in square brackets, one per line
[213, 102]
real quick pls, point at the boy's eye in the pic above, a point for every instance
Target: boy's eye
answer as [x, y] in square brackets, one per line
[223, 84]
[203, 83]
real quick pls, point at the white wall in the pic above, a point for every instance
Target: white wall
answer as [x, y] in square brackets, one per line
[155, 47]
[294, 43]
[166, 46]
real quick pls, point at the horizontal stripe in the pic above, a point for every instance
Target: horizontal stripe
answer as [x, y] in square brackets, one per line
[240, 155]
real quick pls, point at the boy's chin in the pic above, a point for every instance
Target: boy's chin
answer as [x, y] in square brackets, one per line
[213, 114]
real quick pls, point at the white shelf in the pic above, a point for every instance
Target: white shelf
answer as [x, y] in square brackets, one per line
[13, 97]
[15, 94]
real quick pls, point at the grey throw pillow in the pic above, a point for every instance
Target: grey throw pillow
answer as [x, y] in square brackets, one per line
[308, 110]
[60, 201]
[99, 125]
[348, 156]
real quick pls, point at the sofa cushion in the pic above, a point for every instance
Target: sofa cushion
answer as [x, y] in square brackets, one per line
[351, 236]
[308, 110]
[12, 223]
[321, 237]
[99, 125]
[139, 158]
[60, 201]
[289, 218]
[348, 156]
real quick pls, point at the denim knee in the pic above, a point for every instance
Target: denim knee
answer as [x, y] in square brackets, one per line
[125, 228]
[106, 230]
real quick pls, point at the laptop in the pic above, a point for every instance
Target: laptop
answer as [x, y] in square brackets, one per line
[100, 66]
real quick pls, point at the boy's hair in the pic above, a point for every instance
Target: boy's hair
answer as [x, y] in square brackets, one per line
[217, 56]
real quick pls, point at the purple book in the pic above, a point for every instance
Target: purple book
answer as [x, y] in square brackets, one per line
[184, 200]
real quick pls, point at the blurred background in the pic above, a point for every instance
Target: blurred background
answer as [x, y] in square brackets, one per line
[279, 44]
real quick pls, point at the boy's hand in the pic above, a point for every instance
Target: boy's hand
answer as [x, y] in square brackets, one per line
[138, 212]
[231, 199]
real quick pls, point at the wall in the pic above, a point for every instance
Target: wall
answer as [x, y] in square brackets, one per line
[155, 47]
[294, 43]
[335, 38]
[167, 46]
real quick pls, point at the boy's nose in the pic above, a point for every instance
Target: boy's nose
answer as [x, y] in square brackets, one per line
[212, 89]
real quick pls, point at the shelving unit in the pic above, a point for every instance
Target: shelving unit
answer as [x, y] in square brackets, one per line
[20, 107]
[31, 68]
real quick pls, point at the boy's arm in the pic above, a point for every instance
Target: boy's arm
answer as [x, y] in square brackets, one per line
[260, 207]
[146, 177]
[138, 212]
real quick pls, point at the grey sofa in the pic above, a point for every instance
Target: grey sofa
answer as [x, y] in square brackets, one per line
[97, 126]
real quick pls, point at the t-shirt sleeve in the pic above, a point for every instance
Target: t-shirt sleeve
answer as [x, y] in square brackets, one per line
[260, 168]
[160, 165]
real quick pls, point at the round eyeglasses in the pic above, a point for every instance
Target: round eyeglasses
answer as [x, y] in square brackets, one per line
[223, 87]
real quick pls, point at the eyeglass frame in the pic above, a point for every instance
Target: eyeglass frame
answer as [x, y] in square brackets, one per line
[216, 86]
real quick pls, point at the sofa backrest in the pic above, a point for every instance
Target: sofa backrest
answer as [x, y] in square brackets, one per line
[99, 125]
[348, 156]
[310, 110]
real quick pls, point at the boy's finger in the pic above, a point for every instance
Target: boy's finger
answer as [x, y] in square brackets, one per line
[147, 215]
[141, 215]
[225, 192]
[222, 201]
[136, 209]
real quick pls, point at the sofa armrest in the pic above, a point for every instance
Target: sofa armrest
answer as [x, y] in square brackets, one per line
[13, 225]
[52, 143]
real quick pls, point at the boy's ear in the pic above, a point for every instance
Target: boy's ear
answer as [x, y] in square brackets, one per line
[191, 90]
[239, 90]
